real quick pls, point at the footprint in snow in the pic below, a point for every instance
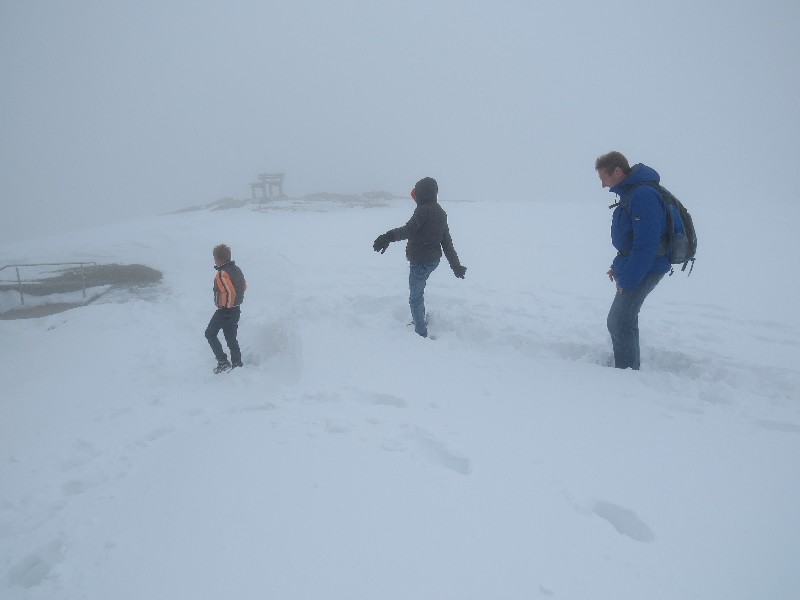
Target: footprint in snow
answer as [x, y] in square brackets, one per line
[384, 400]
[439, 454]
[82, 454]
[625, 521]
[159, 433]
[778, 426]
[31, 570]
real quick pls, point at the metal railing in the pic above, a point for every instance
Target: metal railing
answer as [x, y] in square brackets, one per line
[20, 281]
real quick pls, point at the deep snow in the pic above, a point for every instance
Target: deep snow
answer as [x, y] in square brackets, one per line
[351, 459]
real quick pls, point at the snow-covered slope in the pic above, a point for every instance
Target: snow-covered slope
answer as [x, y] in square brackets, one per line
[351, 459]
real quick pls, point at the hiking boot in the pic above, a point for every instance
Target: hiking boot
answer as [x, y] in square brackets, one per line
[222, 366]
[237, 364]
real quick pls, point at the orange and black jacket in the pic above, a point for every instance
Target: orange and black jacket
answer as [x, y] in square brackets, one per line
[229, 286]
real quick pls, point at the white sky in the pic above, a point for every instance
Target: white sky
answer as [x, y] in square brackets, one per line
[111, 110]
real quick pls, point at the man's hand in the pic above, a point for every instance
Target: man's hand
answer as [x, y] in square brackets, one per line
[381, 243]
[460, 271]
[612, 276]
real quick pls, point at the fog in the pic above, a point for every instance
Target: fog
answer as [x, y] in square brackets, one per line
[115, 110]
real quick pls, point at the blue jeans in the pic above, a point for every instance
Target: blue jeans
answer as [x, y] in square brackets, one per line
[623, 322]
[226, 319]
[417, 278]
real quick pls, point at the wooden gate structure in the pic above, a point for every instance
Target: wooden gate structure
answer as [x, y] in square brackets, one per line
[265, 184]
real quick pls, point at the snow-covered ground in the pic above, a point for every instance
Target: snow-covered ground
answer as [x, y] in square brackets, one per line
[352, 459]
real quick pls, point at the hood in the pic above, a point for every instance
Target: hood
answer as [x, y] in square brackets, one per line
[426, 190]
[639, 174]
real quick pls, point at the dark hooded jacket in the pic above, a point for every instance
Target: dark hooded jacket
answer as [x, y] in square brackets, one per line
[427, 231]
[638, 225]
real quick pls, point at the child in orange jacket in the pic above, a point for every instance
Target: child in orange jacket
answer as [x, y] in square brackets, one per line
[229, 287]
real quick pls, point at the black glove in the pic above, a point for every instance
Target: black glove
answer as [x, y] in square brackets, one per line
[381, 243]
[460, 271]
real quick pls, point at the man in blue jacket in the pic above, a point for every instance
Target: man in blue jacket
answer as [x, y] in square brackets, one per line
[638, 232]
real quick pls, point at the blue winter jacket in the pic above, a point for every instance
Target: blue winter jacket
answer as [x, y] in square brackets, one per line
[638, 225]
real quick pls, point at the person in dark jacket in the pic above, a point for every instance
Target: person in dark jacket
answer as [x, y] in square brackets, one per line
[638, 232]
[428, 236]
[229, 287]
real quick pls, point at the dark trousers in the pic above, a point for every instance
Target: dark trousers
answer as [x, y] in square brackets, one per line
[417, 278]
[623, 322]
[226, 319]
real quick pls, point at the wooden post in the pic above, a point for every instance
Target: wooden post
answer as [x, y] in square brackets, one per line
[19, 283]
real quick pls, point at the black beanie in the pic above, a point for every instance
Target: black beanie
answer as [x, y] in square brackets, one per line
[427, 189]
